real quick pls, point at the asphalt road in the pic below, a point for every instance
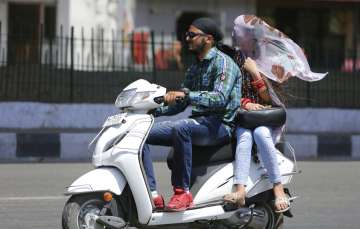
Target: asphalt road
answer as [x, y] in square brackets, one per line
[31, 194]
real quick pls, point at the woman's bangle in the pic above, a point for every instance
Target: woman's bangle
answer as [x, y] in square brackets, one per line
[262, 88]
[244, 101]
[259, 84]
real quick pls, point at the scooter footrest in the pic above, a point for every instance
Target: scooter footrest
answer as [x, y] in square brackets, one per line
[112, 222]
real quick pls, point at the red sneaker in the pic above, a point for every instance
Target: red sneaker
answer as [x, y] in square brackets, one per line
[180, 201]
[159, 202]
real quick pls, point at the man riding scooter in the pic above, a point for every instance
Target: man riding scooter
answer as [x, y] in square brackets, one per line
[213, 87]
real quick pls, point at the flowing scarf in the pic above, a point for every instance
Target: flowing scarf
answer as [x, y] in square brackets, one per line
[276, 55]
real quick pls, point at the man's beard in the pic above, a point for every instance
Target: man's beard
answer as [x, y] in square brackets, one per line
[198, 49]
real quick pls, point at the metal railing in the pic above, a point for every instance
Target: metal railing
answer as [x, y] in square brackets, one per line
[94, 68]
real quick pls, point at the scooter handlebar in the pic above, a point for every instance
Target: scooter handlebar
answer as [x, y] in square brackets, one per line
[160, 99]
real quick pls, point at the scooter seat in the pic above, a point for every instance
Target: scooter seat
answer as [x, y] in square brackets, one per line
[208, 155]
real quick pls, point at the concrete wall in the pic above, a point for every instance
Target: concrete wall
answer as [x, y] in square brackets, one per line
[63, 132]
[324, 121]
[27, 131]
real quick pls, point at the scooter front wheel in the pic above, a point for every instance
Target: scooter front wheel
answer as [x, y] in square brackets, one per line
[81, 211]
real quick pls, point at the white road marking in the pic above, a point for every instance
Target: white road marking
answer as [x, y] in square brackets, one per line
[33, 198]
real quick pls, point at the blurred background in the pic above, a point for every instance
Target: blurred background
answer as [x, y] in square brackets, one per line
[63, 62]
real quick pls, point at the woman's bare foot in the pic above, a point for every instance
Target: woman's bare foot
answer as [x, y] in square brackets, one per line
[281, 199]
[237, 197]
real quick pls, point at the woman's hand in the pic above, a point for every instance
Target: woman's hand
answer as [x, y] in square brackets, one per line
[254, 106]
[250, 66]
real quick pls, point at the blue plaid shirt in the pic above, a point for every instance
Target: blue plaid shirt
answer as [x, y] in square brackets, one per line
[215, 87]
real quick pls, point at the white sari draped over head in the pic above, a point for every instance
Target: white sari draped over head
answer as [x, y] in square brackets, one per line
[276, 55]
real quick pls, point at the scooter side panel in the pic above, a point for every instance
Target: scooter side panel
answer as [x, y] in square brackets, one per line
[222, 181]
[100, 179]
[216, 186]
[125, 156]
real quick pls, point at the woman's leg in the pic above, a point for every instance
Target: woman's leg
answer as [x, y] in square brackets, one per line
[242, 165]
[243, 155]
[266, 148]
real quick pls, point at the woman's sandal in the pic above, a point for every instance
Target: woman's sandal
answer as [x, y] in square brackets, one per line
[282, 200]
[235, 198]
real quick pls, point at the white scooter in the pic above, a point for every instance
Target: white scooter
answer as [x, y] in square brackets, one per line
[116, 194]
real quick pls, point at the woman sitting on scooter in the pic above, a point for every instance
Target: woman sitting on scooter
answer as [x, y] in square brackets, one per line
[256, 97]
[271, 59]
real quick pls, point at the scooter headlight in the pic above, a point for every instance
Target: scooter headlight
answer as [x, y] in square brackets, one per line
[124, 98]
[130, 97]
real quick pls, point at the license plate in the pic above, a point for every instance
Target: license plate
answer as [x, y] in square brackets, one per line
[114, 120]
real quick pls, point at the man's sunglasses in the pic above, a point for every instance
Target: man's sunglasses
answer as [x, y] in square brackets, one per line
[191, 35]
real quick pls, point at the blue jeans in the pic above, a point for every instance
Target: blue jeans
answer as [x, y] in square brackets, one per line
[262, 136]
[182, 134]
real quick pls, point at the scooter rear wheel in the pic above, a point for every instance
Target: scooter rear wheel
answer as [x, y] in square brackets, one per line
[275, 220]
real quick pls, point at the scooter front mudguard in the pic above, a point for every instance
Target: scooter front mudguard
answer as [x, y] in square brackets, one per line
[99, 180]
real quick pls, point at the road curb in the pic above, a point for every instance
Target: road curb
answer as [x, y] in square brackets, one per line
[67, 147]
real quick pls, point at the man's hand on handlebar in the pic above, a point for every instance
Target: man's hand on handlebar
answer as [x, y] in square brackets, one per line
[171, 97]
